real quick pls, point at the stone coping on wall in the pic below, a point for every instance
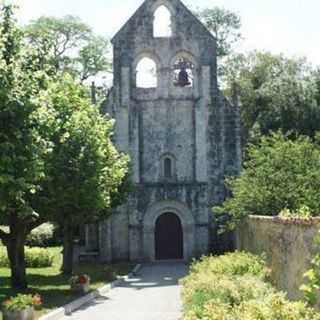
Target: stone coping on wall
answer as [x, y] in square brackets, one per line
[290, 221]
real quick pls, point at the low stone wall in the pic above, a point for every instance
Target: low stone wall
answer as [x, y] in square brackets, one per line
[288, 245]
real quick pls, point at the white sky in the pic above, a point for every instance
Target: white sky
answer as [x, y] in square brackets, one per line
[288, 26]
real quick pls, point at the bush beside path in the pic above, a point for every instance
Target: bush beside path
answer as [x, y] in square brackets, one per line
[236, 287]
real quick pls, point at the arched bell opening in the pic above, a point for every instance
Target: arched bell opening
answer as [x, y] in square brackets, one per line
[183, 73]
[146, 73]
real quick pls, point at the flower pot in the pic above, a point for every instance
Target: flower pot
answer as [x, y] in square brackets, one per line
[26, 314]
[81, 288]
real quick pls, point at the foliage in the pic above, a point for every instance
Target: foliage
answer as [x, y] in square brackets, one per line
[279, 173]
[224, 25]
[58, 157]
[231, 264]
[22, 120]
[303, 213]
[34, 257]
[24, 77]
[18, 303]
[275, 93]
[226, 288]
[311, 289]
[84, 170]
[73, 46]
[41, 236]
[92, 58]
[54, 287]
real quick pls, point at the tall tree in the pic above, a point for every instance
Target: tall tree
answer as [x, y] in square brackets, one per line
[276, 93]
[74, 47]
[23, 144]
[84, 170]
[279, 173]
[224, 25]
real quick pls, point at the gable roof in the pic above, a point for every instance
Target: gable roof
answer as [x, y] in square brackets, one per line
[178, 3]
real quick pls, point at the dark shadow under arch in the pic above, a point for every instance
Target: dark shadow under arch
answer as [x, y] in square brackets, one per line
[168, 237]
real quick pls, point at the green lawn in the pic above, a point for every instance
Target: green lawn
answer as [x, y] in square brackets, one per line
[54, 287]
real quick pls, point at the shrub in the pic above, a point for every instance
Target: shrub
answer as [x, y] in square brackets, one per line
[41, 236]
[274, 306]
[233, 287]
[311, 288]
[239, 263]
[35, 258]
[278, 174]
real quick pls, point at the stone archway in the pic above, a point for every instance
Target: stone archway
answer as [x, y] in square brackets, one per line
[183, 213]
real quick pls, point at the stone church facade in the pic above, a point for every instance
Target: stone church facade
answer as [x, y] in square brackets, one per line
[182, 135]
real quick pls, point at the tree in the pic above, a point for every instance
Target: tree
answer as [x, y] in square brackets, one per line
[74, 48]
[92, 58]
[224, 25]
[280, 173]
[84, 170]
[23, 144]
[275, 93]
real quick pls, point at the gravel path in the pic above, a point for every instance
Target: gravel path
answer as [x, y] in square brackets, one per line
[153, 294]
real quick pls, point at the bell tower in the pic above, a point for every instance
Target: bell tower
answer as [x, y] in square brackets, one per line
[182, 135]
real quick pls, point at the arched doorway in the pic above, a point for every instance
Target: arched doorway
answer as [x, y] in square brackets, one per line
[168, 237]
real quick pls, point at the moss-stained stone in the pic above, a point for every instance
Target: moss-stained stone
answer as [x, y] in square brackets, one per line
[288, 245]
[196, 127]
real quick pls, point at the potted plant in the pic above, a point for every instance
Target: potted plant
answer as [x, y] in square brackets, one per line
[21, 307]
[80, 283]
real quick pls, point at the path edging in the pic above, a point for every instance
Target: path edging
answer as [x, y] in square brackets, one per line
[76, 304]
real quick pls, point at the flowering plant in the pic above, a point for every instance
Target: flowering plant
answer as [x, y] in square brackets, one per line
[37, 301]
[21, 302]
[79, 279]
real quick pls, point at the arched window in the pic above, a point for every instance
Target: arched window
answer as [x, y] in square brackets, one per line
[183, 73]
[162, 23]
[146, 74]
[167, 167]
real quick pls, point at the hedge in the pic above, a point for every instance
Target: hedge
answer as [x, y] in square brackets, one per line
[35, 258]
[43, 236]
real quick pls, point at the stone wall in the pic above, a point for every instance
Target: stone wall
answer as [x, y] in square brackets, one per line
[288, 245]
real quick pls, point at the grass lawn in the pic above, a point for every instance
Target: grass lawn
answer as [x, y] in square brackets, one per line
[54, 287]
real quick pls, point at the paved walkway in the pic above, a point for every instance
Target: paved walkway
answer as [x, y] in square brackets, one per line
[153, 295]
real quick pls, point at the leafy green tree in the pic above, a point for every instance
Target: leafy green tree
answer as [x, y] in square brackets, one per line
[275, 93]
[84, 170]
[74, 48]
[92, 58]
[279, 174]
[23, 144]
[224, 25]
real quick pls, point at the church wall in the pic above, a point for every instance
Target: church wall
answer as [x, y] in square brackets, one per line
[193, 195]
[167, 128]
[120, 237]
[196, 126]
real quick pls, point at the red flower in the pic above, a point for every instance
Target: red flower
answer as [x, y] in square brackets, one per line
[83, 279]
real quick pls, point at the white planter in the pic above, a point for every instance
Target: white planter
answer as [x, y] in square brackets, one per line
[26, 314]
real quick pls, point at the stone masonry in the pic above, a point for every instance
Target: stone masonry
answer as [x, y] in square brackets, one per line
[183, 140]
